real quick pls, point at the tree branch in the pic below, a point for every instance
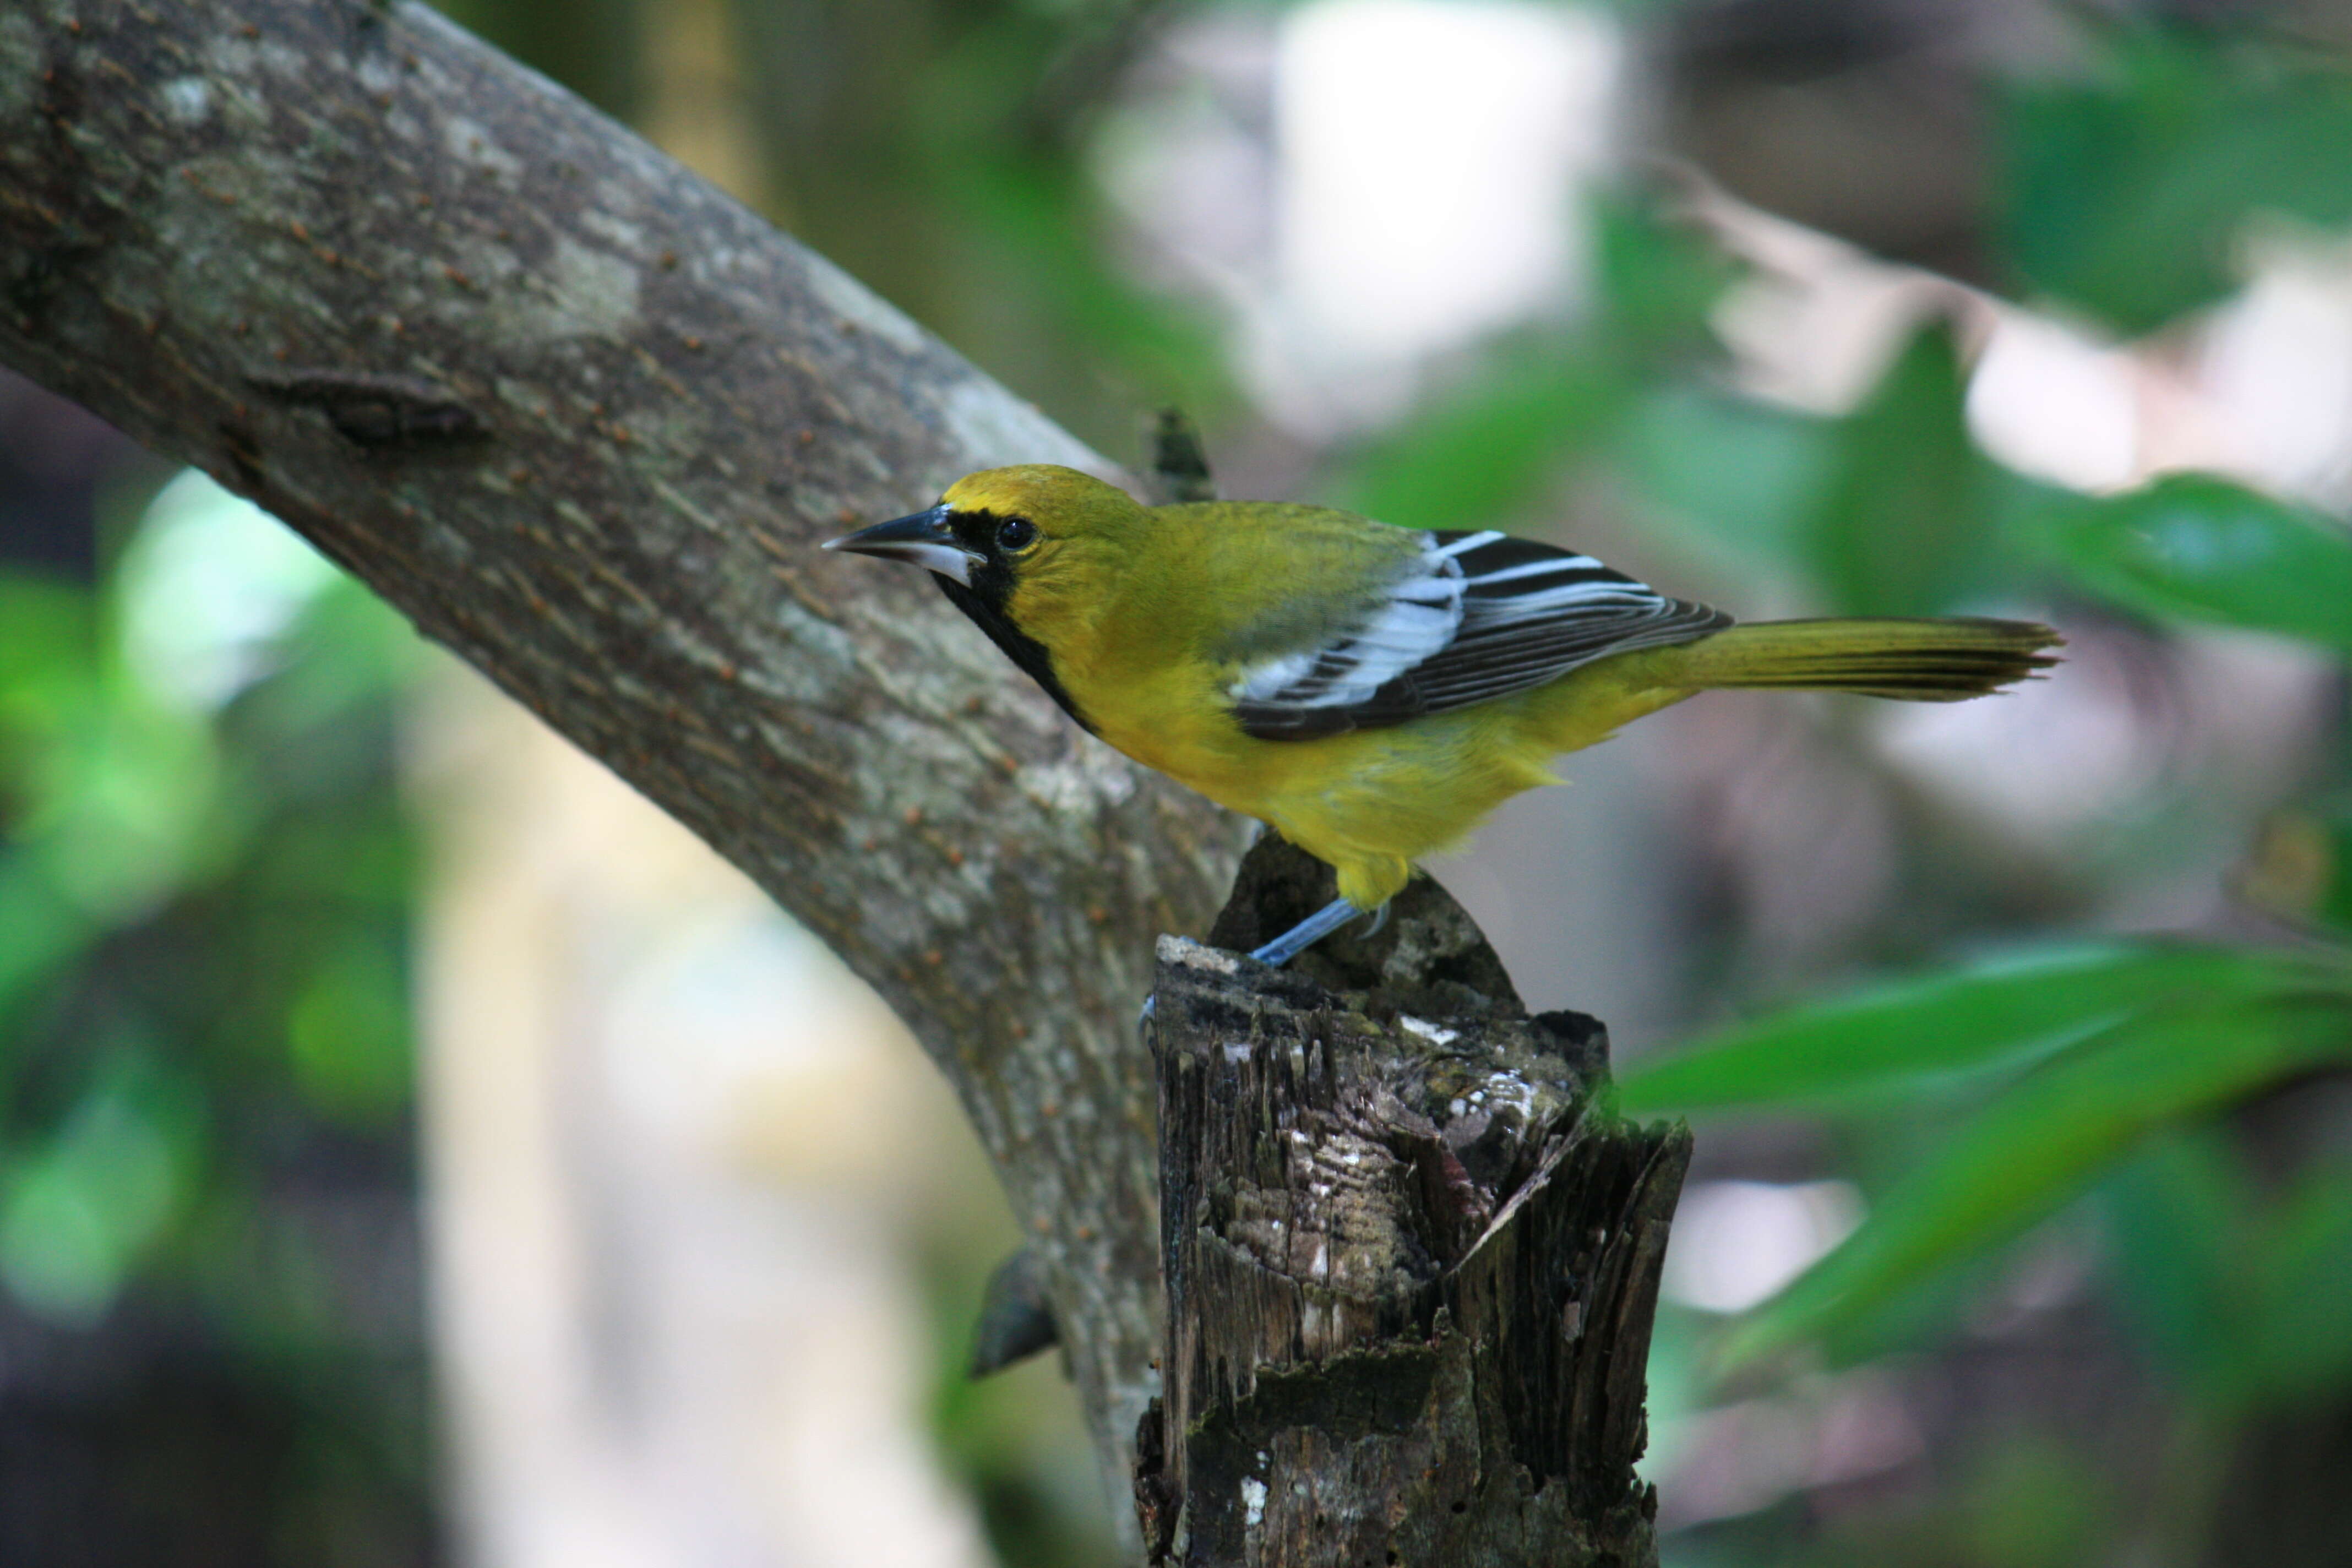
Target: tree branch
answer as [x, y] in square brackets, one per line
[583, 418]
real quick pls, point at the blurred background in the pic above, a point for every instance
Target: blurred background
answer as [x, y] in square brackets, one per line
[407, 1151]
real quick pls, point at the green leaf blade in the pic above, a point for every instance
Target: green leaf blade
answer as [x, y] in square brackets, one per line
[2124, 189]
[2043, 1140]
[1901, 525]
[2196, 548]
[1923, 1030]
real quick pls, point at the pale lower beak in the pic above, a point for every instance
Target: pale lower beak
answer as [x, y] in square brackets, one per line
[924, 539]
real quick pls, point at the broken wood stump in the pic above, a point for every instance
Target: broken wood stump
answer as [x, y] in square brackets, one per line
[1410, 1257]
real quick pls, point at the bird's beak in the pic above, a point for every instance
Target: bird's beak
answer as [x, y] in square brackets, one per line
[924, 539]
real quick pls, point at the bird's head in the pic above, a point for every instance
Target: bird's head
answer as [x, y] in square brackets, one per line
[1016, 540]
[1030, 552]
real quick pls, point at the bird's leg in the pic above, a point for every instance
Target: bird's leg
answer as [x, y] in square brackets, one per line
[1375, 926]
[1295, 941]
[1308, 932]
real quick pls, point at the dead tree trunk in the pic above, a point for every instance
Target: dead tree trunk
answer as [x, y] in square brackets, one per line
[1412, 1259]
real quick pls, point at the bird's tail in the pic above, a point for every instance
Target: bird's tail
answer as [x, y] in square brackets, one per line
[1917, 660]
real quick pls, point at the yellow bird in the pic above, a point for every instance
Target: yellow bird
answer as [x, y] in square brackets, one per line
[1370, 692]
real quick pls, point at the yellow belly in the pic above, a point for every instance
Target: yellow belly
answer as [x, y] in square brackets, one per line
[1371, 802]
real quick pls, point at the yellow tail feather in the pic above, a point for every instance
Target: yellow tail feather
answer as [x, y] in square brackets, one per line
[1915, 660]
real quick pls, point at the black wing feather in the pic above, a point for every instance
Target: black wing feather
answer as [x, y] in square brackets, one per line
[1529, 614]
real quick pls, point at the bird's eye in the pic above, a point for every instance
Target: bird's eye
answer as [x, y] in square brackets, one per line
[1016, 533]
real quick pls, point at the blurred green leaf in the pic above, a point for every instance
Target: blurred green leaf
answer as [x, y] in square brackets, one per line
[48, 631]
[1489, 447]
[2175, 1216]
[2301, 1295]
[1541, 398]
[123, 803]
[1657, 280]
[2035, 1501]
[78, 1213]
[2194, 547]
[1920, 1032]
[347, 1035]
[1047, 284]
[1742, 473]
[2241, 1291]
[2333, 902]
[2124, 192]
[40, 929]
[2044, 1139]
[48, 655]
[1902, 525]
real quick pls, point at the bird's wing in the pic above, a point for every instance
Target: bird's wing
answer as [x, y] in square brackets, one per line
[1475, 616]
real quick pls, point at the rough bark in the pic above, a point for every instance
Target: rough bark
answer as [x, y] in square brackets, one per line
[1412, 1262]
[584, 418]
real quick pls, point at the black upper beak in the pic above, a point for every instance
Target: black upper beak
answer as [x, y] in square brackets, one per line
[923, 538]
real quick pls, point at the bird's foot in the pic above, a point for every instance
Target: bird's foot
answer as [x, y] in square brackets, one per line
[1286, 947]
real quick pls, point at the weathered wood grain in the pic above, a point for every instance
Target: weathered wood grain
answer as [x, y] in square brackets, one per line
[1412, 1259]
